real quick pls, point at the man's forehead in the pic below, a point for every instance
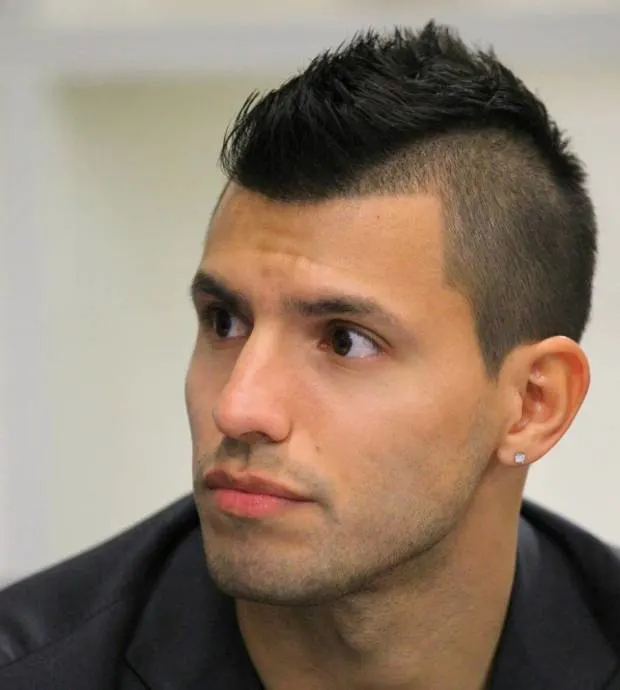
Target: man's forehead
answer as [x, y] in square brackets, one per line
[387, 249]
[406, 227]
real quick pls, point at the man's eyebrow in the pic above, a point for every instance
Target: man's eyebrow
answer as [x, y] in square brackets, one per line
[336, 305]
[206, 284]
[330, 305]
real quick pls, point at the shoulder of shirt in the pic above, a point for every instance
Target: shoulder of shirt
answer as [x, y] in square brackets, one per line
[594, 563]
[574, 538]
[47, 607]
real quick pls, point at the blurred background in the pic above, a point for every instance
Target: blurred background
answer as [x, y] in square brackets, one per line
[111, 119]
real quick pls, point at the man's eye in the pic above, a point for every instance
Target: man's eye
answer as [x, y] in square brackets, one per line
[222, 323]
[347, 342]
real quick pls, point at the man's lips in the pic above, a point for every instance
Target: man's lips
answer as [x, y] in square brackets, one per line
[252, 484]
[250, 496]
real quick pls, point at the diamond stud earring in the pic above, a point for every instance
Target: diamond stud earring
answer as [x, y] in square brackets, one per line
[520, 458]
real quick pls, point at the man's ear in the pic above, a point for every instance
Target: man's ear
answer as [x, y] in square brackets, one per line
[547, 382]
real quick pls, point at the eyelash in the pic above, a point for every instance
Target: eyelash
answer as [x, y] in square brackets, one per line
[208, 313]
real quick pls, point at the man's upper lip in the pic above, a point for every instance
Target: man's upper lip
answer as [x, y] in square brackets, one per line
[250, 483]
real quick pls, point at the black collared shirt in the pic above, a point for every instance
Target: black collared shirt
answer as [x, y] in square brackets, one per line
[141, 613]
[550, 638]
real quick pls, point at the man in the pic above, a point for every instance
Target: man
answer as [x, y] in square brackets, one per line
[390, 300]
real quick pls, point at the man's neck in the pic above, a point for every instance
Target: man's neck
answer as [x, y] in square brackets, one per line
[427, 626]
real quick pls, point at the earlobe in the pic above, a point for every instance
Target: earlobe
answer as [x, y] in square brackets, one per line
[558, 377]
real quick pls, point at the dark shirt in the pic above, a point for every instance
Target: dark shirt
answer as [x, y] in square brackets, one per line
[141, 612]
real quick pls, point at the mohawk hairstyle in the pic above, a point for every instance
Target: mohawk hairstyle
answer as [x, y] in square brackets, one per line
[407, 112]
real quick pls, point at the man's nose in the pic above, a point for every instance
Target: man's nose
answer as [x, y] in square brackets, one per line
[254, 399]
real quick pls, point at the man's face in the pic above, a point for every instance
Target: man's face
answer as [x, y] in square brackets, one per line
[347, 370]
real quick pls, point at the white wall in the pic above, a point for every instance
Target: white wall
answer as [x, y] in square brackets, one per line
[4, 458]
[126, 190]
[94, 13]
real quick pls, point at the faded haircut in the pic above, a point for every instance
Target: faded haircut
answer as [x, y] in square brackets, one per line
[405, 112]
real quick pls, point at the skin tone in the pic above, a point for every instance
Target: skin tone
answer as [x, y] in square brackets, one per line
[333, 357]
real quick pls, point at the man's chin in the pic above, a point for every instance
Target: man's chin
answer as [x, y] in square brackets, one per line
[272, 591]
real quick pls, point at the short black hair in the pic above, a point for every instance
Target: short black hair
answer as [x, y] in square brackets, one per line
[406, 111]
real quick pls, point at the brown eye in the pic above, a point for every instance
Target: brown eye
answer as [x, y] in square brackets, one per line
[348, 342]
[222, 323]
[341, 341]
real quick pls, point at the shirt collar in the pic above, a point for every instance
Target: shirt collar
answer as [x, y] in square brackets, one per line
[188, 637]
[550, 639]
